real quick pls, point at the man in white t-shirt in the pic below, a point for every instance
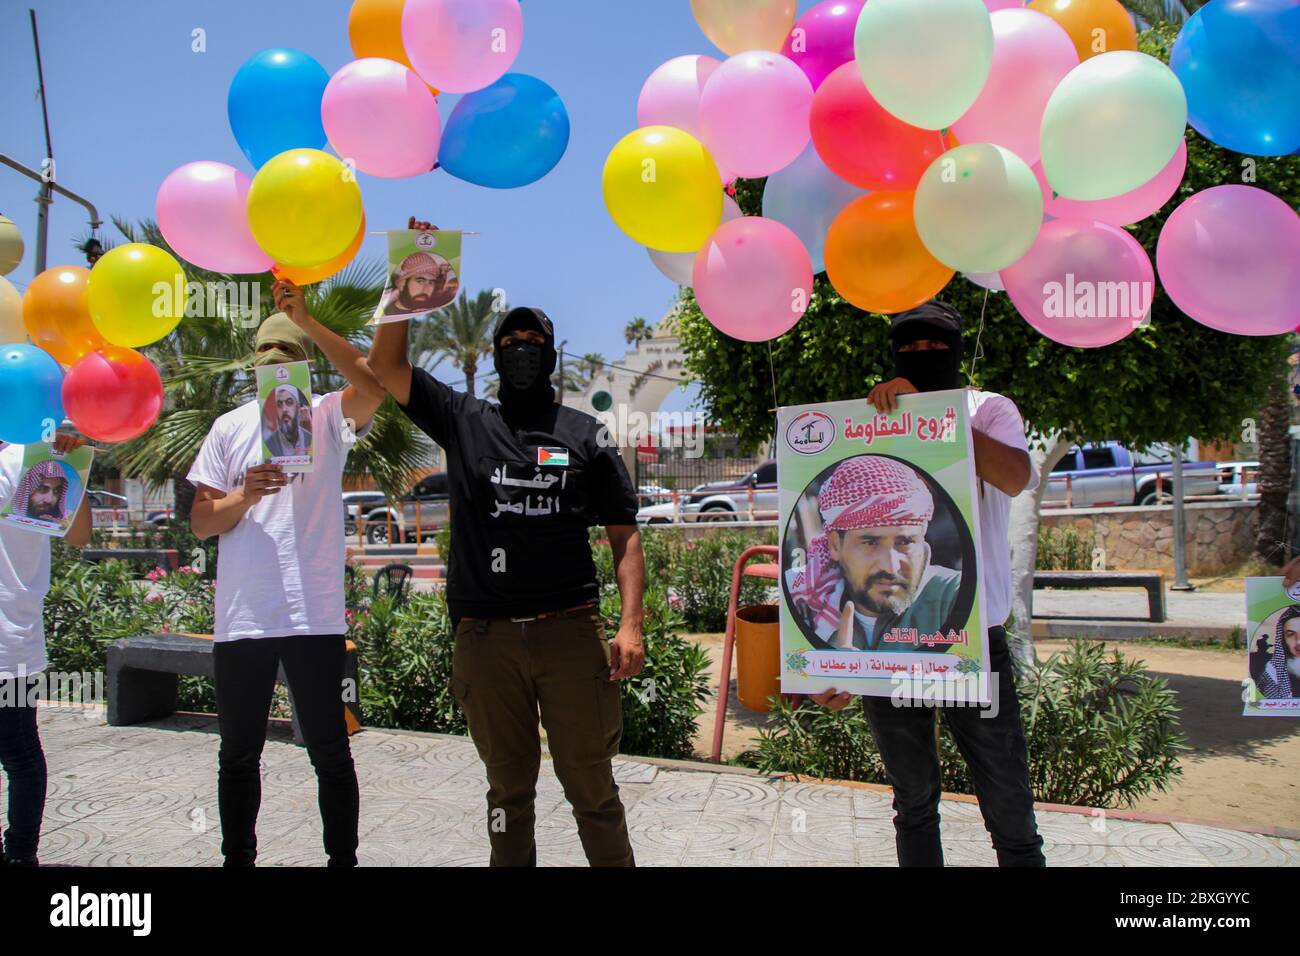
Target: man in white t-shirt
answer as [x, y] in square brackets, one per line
[24, 582]
[927, 347]
[280, 568]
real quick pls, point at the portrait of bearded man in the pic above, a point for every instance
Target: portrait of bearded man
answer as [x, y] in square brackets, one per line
[869, 570]
[422, 282]
[284, 434]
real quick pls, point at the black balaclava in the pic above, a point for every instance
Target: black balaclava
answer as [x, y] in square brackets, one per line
[525, 368]
[930, 370]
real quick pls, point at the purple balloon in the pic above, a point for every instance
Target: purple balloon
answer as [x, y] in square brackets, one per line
[1229, 257]
[1082, 283]
[823, 38]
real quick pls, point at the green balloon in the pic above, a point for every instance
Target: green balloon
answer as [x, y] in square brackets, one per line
[925, 61]
[1111, 125]
[978, 208]
[11, 246]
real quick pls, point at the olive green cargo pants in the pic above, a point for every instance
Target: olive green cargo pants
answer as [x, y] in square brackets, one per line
[506, 673]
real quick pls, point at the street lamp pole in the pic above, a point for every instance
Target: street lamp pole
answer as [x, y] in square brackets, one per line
[46, 176]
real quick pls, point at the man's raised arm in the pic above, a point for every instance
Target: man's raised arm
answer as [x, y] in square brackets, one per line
[388, 358]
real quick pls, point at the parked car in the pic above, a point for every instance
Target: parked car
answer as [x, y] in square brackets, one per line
[730, 500]
[649, 495]
[108, 510]
[354, 503]
[1107, 473]
[1233, 473]
[421, 512]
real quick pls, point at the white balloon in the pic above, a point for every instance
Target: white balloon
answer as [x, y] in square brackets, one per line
[12, 328]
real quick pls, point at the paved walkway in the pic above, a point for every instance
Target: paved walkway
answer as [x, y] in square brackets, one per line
[146, 795]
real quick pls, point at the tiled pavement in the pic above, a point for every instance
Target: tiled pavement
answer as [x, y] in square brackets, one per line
[147, 796]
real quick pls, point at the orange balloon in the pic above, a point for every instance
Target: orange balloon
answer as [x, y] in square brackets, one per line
[1094, 26]
[57, 316]
[307, 275]
[875, 258]
[375, 29]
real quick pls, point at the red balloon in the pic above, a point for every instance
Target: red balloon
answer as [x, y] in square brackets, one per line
[862, 142]
[112, 394]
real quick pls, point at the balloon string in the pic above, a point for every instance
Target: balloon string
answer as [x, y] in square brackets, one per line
[979, 349]
[771, 366]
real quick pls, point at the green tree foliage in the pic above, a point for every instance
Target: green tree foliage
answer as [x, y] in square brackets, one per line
[1170, 379]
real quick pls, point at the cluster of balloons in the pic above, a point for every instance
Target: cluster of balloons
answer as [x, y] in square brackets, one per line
[904, 141]
[84, 326]
[301, 213]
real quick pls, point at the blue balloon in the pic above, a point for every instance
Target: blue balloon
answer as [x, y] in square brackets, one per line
[31, 394]
[805, 197]
[506, 135]
[274, 104]
[1239, 62]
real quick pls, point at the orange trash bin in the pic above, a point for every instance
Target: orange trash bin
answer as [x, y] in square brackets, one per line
[758, 655]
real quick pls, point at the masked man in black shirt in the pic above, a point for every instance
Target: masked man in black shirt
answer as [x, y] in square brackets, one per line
[527, 479]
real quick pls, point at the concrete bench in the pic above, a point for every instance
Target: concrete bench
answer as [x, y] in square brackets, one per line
[168, 558]
[144, 676]
[1152, 581]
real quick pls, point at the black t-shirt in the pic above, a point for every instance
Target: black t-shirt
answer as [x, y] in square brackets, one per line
[521, 501]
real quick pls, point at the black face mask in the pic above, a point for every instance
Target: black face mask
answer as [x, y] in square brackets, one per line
[930, 370]
[521, 365]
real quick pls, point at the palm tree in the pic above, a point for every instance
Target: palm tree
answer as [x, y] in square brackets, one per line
[638, 330]
[1159, 12]
[206, 371]
[460, 332]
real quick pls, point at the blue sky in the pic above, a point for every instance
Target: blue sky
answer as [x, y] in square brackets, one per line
[129, 102]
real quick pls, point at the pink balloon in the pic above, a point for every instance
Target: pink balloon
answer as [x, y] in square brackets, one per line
[753, 279]
[1124, 209]
[1082, 283]
[754, 113]
[995, 5]
[459, 46]
[823, 38]
[383, 117]
[1031, 55]
[1229, 257]
[202, 211]
[671, 97]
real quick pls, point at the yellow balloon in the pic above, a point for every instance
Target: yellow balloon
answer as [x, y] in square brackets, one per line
[661, 188]
[11, 246]
[136, 294]
[11, 314]
[735, 26]
[304, 207]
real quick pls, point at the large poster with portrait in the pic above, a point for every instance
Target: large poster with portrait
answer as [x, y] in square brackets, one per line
[423, 273]
[1272, 685]
[50, 489]
[879, 543]
[284, 397]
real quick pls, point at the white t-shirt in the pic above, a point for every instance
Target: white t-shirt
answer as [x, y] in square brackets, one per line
[24, 582]
[997, 417]
[280, 569]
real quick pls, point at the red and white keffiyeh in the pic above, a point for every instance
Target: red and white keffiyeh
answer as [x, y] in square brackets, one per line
[869, 491]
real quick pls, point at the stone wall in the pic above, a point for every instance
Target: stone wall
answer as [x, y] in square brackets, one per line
[1220, 535]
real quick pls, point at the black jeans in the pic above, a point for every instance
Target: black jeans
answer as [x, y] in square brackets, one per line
[994, 750]
[245, 681]
[23, 761]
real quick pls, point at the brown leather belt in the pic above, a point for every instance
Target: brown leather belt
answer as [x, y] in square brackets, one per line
[537, 617]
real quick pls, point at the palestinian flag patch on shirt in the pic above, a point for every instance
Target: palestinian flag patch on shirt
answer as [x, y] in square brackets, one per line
[555, 457]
